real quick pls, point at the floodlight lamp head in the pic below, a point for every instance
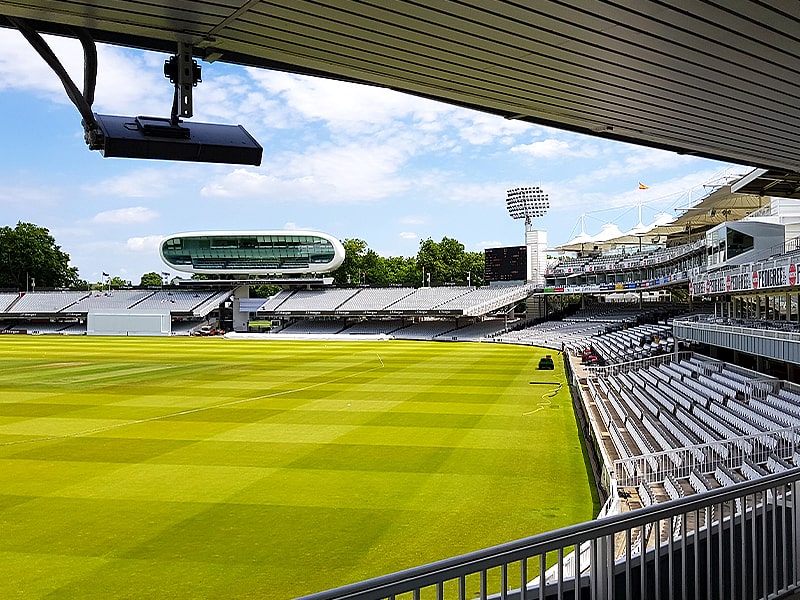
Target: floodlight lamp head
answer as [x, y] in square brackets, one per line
[527, 203]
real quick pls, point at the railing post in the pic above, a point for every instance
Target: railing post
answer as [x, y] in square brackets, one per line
[603, 567]
[795, 536]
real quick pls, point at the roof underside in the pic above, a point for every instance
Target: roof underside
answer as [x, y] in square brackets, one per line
[714, 78]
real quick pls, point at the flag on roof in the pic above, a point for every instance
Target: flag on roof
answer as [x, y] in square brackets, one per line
[642, 186]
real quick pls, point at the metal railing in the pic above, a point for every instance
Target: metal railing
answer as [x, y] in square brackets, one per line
[695, 547]
[683, 327]
[639, 363]
[630, 471]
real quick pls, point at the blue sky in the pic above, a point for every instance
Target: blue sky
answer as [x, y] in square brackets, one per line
[352, 161]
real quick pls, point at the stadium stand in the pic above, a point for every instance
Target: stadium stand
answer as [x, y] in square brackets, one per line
[477, 331]
[551, 334]
[44, 302]
[6, 299]
[113, 300]
[180, 301]
[651, 408]
[428, 298]
[273, 303]
[375, 326]
[312, 326]
[315, 300]
[485, 299]
[425, 330]
[374, 299]
[65, 312]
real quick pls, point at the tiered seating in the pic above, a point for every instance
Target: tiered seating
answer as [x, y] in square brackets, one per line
[174, 300]
[673, 487]
[679, 410]
[374, 326]
[6, 299]
[552, 334]
[316, 300]
[276, 301]
[779, 409]
[752, 470]
[646, 494]
[569, 265]
[775, 464]
[45, 302]
[479, 330]
[310, 326]
[617, 260]
[633, 343]
[74, 329]
[484, 299]
[766, 417]
[116, 300]
[251, 305]
[368, 299]
[424, 330]
[428, 298]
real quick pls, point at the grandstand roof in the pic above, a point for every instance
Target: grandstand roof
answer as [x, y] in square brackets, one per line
[722, 205]
[716, 79]
[764, 182]
[730, 202]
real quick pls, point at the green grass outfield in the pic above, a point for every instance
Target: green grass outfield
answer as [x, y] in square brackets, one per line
[212, 468]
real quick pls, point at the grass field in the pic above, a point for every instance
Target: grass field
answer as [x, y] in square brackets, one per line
[212, 468]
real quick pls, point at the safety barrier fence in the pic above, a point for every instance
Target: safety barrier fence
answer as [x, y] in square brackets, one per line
[641, 363]
[730, 453]
[696, 547]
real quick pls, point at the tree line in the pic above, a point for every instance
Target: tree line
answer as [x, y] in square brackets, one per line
[31, 258]
[436, 263]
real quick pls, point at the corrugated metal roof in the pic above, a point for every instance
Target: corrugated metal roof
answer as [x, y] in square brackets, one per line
[715, 78]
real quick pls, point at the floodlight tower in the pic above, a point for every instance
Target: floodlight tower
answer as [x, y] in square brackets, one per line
[528, 203]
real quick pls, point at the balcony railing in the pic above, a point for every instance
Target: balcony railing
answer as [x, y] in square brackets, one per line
[739, 541]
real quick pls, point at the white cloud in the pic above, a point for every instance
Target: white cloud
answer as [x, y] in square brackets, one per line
[26, 195]
[148, 243]
[125, 216]
[358, 108]
[348, 173]
[481, 128]
[128, 82]
[490, 194]
[413, 220]
[408, 235]
[480, 246]
[149, 182]
[550, 148]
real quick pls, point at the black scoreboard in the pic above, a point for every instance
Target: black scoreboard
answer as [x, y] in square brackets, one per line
[506, 264]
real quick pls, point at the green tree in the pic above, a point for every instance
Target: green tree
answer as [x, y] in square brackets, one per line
[151, 279]
[29, 253]
[474, 264]
[349, 273]
[403, 270]
[447, 262]
[117, 282]
[264, 291]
